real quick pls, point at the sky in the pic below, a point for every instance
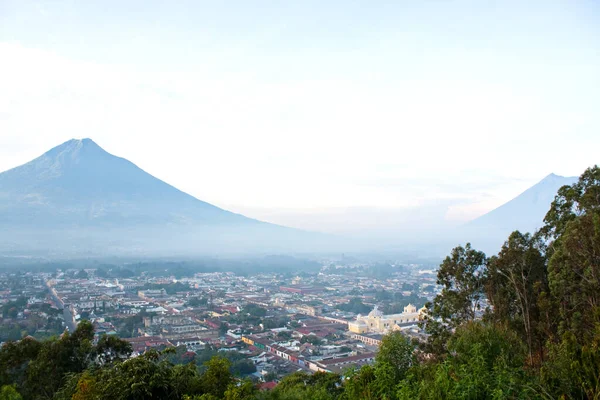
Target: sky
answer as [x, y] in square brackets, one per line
[334, 116]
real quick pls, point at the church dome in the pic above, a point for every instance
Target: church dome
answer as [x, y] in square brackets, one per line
[376, 313]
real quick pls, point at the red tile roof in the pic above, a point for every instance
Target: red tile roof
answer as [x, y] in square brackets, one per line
[267, 385]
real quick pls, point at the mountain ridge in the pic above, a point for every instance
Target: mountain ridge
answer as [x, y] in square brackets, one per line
[80, 175]
[525, 213]
[79, 195]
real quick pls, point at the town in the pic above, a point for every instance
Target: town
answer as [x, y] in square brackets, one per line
[267, 324]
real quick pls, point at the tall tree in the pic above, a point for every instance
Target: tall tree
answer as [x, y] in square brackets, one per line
[574, 275]
[217, 376]
[461, 276]
[397, 351]
[514, 280]
[573, 228]
[572, 201]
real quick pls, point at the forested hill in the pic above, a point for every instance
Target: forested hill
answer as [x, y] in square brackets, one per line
[521, 324]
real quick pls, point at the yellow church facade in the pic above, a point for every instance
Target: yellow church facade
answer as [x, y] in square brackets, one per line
[377, 322]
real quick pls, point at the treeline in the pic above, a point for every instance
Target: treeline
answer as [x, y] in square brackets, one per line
[522, 324]
[127, 268]
[180, 269]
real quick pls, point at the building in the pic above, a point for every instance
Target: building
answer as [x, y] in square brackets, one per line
[166, 320]
[339, 364]
[297, 289]
[305, 309]
[179, 329]
[377, 322]
[151, 293]
[141, 344]
[371, 340]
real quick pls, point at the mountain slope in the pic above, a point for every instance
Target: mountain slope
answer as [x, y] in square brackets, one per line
[525, 213]
[77, 197]
[78, 183]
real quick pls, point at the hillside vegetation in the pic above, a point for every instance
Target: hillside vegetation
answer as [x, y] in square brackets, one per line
[522, 324]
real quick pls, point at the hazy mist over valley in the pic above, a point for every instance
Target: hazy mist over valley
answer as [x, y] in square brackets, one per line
[79, 199]
[299, 200]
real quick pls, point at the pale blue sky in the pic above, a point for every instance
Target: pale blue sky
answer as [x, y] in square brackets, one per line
[293, 110]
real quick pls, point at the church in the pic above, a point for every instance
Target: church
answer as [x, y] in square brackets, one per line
[377, 322]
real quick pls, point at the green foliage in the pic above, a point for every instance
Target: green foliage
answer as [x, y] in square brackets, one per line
[572, 371]
[128, 326]
[39, 369]
[242, 367]
[397, 352]
[360, 383]
[110, 349]
[81, 274]
[580, 199]
[9, 393]
[461, 276]
[217, 377]
[355, 305]
[484, 362]
[574, 274]
[275, 322]
[12, 308]
[284, 335]
[300, 386]
[270, 376]
[197, 302]
[515, 280]
[573, 227]
[312, 339]
[254, 310]
[170, 288]
[246, 390]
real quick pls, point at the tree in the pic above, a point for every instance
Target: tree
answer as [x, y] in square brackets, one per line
[270, 376]
[514, 280]
[572, 371]
[223, 328]
[217, 377]
[14, 360]
[396, 351]
[246, 390]
[57, 358]
[394, 359]
[581, 198]
[254, 310]
[359, 383]
[485, 361]
[243, 367]
[9, 393]
[81, 274]
[300, 385]
[461, 276]
[284, 335]
[573, 227]
[312, 339]
[197, 301]
[111, 349]
[87, 388]
[355, 305]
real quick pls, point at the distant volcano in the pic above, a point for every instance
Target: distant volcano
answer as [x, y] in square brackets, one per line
[78, 196]
[78, 183]
[525, 213]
